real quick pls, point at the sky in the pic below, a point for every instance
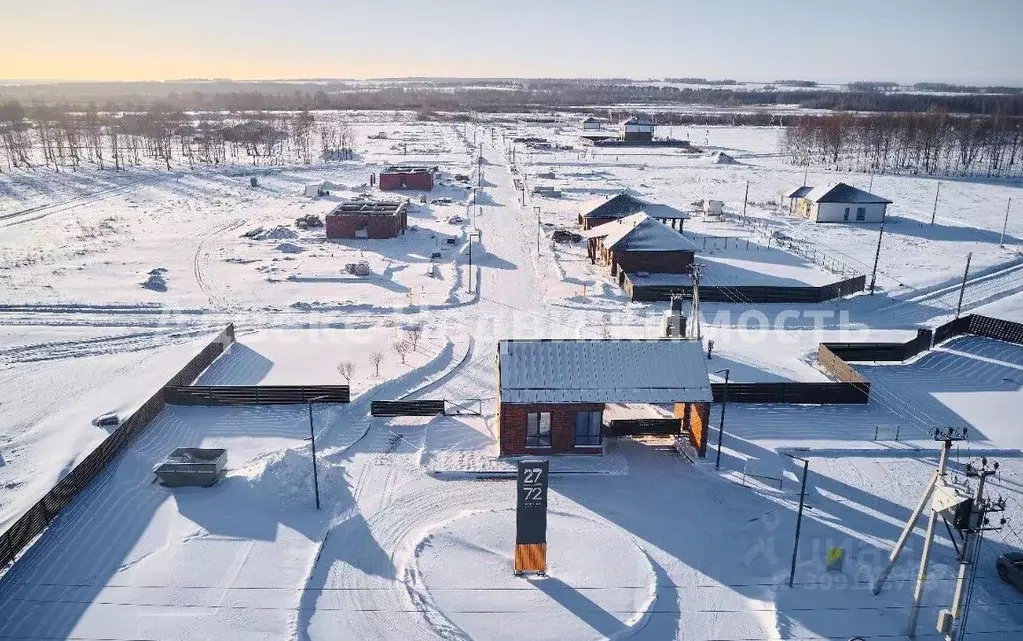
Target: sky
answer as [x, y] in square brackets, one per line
[962, 41]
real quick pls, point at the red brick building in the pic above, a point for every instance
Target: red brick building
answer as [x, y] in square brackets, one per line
[638, 243]
[407, 177]
[552, 392]
[367, 219]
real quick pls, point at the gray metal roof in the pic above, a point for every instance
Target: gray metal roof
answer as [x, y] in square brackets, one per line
[639, 233]
[659, 370]
[368, 208]
[799, 192]
[623, 204]
[843, 193]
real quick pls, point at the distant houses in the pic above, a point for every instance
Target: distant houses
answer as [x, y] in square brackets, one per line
[604, 210]
[592, 124]
[839, 203]
[407, 177]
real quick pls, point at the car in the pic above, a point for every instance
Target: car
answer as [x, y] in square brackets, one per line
[1010, 569]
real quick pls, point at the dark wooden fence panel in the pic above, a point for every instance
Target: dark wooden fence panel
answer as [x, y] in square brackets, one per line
[747, 293]
[214, 395]
[31, 524]
[407, 408]
[630, 427]
[996, 328]
[951, 329]
[882, 351]
[855, 393]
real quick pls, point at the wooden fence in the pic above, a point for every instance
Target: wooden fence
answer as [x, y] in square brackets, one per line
[827, 393]
[744, 293]
[407, 408]
[213, 395]
[38, 517]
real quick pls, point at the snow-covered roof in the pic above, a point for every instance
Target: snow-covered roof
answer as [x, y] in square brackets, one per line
[591, 119]
[799, 192]
[623, 204]
[638, 120]
[843, 193]
[639, 233]
[658, 370]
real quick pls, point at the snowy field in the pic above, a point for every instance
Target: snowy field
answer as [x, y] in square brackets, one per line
[413, 540]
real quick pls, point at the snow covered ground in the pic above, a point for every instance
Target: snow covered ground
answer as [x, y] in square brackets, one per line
[409, 542]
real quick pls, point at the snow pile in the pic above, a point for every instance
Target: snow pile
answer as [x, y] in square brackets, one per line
[285, 477]
[289, 248]
[721, 158]
[156, 280]
[280, 232]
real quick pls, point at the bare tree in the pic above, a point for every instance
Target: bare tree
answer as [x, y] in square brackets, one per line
[402, 348]
[376, 358]
[346, 369]
[413, 334]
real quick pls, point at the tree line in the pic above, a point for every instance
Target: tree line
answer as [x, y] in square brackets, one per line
[935, 143]
[60, 137]
[493, 96]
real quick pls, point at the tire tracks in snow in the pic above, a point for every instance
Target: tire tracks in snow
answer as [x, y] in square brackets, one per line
[201, 264]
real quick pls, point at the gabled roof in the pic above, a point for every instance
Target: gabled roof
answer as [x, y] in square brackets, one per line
[843, 193]
[659, 370]
[639, 233]
[638, 120]
[622, 204]
[591, 119]
[799, 192]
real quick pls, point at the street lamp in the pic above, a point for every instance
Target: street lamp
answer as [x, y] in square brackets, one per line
[799, 519]
[479, 238]
[724, 404]
[312, 437]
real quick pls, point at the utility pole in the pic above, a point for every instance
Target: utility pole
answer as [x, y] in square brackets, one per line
[537, 210]
[962, 289]
[947, 436]
[934, 213]
[471, 235]
[312, 437]
[1001, 240]
[697, 275]
[976, 524]
[721, 426]
[871, 181]
[479, 167]
[806, 172]
[744, 199]
[799, 517]
[877, 256]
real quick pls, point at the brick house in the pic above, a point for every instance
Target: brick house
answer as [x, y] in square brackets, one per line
[604, 210]
[407, 177]
[639, 243]
[367, 219]
[552, 392]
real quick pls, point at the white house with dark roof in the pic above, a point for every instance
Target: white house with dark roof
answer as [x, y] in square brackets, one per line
[604, 210]
[637, 129]
[591, 124]
[839, 203]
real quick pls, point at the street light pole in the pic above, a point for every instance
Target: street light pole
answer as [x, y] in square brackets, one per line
[721, 427]
[537, 210]
[1005, 225]
[312, 437]
[799, 518]
[877, 256]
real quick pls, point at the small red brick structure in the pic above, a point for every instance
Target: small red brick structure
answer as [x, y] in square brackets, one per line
[604, 210]
[638, 243]
[552, 392]
[367, 219]
[407, 177]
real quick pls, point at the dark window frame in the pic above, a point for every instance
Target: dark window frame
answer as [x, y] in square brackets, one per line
[861, 213]
[588, 438]
[534, 424]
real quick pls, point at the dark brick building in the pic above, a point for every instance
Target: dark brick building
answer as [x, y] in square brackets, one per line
[407, 177]
[604, 210]
[552, 393]
[367, 219]
[638, 243]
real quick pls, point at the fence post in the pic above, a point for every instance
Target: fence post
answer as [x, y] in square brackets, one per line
[876, 427]
[897, 428]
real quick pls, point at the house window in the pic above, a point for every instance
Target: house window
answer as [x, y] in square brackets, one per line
[846, 217]
[587, 428]
[861, 213]
[538, 429]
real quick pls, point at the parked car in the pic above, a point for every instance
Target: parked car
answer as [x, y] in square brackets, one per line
[1010, 569]
[565, 236]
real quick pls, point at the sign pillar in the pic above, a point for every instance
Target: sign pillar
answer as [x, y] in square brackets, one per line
[531, 517]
